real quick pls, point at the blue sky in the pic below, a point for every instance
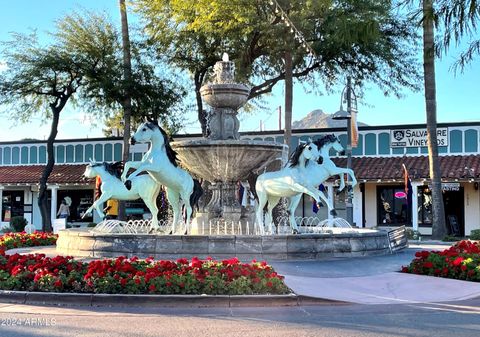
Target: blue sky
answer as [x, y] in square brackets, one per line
[456, 94]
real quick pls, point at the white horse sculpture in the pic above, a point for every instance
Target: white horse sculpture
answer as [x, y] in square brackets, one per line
[287, 182]
[320, 171]
[160, 161]
[112, 187]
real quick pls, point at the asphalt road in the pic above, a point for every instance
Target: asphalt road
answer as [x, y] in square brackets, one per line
[448, 319]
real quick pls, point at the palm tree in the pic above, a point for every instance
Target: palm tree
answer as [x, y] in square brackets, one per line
[439, 228]
[127, 102]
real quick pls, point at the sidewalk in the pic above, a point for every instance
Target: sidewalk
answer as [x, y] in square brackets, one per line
[373, 280]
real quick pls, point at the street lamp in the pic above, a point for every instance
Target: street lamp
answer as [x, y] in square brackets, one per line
[348, 96]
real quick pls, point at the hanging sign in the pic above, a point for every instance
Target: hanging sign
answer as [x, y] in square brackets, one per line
[416, 137]
[451, 187]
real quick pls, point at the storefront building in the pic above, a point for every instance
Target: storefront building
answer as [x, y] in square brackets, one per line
[380, 160]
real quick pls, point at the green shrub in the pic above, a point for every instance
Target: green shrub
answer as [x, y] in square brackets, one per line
[412, 234]
[18, 223]
[91, 224]
[475, 234]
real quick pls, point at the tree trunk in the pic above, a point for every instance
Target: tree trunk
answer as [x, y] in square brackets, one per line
[202, 114]
[439, 228]
[42, 195]
[288, 98]
[127, 102]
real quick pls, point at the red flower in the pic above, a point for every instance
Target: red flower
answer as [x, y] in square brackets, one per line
[458, 261]
[428, 264]
[58, 283]
[152, 287]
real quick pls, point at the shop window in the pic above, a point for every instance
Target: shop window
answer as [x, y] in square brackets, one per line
[24, 155]
[7, 156]
[12, 204]
[412, 150]
[98, 152]
[137, 156]
[117, 152]
[1, 155]
[371, 144]
[69, 154]
[358, 151]
[471, 141]
[15, 155]
[293, 143]
[42, 154]
[60, 154]
[269, 139]
[392, 206]
[88, 152]
[398, 150]
[425, 214]
[384, 143]
[80, 201]
[79, 153]
[108, 152]
[456, 141]
[33, 155]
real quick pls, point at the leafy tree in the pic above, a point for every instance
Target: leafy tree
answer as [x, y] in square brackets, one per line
[365, 38]
[83, 60]
[458, 20]
[43, 79]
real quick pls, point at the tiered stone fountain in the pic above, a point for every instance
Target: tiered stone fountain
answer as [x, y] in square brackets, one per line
[223, 159]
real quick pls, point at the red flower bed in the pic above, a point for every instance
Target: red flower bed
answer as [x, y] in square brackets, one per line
[460, 261]
[35, 272]
[18, 240]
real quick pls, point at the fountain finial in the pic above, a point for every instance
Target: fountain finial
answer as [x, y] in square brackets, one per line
[225, 57]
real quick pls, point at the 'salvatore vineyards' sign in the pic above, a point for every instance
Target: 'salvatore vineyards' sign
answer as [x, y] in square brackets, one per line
[416, 137]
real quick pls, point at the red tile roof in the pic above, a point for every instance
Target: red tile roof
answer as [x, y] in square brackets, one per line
[365, 168]
[62, 174]
[374, 168]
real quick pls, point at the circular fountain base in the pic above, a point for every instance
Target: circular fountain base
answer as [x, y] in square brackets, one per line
[344, 243]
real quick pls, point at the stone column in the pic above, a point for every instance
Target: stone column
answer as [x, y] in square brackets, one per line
[53, 205]
[414, 206]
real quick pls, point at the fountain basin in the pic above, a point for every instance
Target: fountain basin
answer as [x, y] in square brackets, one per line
[225, 95]
[351, 243]
[227, 160]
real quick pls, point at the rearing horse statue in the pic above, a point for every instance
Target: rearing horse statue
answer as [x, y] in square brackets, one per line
[160, 161]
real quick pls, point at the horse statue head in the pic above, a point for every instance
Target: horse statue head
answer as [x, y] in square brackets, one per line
[330, 142]
[150, 131]
[303, 153]
[94, 169]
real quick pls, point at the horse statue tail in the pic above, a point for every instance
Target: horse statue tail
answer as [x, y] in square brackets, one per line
[196, 194]
[252, 180]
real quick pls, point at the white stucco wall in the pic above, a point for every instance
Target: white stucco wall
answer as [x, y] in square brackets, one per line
[370, 205]
[472, 207]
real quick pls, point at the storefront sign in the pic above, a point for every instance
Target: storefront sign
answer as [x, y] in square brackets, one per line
[416, 137]
[451, 187]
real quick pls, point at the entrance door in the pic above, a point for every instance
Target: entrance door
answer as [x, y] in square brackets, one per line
[454, 211]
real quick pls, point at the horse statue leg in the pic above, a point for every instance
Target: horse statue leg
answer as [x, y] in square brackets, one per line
[294, 201]
[262, 200]
[332, 210]
[149, 196]
[272, 202]
[173, 198]
[186, 198]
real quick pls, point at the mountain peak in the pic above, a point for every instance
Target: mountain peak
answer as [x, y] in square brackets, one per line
[319, 119]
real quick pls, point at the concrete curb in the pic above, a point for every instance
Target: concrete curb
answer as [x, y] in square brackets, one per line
[168, 301]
